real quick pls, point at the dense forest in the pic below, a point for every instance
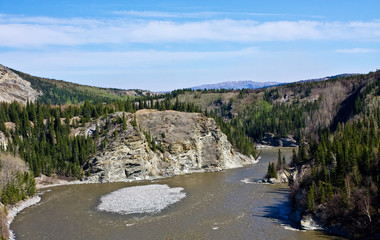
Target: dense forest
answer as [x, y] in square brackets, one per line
[343, 185]
[42, 134]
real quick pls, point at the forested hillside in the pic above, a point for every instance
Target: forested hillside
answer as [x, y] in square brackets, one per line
[61, 92]
[297, 109]
[343, 187]
[44, 136]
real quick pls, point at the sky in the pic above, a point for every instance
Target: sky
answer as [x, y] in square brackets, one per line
[166, 45]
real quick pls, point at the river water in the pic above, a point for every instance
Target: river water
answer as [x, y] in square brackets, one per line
[216, 206]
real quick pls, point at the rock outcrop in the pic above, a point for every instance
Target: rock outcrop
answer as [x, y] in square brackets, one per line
[14, 88]
[180, 143]
[270, 140]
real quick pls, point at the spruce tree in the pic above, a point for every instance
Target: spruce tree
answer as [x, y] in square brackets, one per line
[283, 162]
[124, 122]
[279, 162]
[310, 198]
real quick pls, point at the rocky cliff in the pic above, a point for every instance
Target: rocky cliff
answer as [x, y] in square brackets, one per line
[161, 144]
[14, 88]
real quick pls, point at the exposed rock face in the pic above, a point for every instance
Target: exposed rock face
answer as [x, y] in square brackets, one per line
[271, 140]
[14, 88]
[190, 142]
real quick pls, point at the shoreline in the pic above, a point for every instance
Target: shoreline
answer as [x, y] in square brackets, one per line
[44, 181]
[16, 209]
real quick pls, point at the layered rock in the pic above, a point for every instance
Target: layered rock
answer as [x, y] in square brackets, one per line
[188, 142]
[14, 88]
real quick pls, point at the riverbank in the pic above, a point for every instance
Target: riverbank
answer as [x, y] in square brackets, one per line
[18, 207]
[44, 181]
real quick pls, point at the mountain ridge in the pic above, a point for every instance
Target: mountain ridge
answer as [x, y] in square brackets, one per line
[235, 85]
[248, 84]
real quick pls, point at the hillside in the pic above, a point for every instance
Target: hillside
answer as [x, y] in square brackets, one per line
[339, 190]
[61, 92]
[294, 109]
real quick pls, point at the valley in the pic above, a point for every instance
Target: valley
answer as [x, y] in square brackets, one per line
[96, 135]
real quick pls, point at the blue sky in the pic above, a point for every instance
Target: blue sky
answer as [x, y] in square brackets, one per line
[165, 45]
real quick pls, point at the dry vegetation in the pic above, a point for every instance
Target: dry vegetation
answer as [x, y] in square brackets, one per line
[9, 166]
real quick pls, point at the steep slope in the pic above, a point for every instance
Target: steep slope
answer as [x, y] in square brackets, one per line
[162, 144]
[14, 88]
[338, 188]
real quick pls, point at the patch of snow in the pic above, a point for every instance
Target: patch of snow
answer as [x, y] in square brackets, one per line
[141, 199]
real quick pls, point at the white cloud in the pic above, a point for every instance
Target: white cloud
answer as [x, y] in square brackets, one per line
[204, 14]
[155, 14]
[27, 32]
[354, 50]
[127, 59]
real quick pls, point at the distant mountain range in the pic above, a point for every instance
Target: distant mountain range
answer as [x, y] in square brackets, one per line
[236, 85]
[255, 85]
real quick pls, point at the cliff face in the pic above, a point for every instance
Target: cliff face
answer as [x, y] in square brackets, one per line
[14, 88]
[183, 143]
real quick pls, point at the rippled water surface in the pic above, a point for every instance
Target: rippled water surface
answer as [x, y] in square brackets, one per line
[216, 206]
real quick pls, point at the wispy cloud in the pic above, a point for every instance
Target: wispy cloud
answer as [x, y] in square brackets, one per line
[27, 32]
[155, 14]
[204, 14]
[122, 68]
[121, 58]
[354, 50]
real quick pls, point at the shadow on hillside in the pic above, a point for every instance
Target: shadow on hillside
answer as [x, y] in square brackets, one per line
[346, 109]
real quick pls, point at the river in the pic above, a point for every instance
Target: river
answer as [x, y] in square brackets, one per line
[217, 206]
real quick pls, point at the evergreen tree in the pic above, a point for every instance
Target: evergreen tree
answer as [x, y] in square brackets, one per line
[124, 122]
[310, 198]
[271, 173]
[294, 161]
[279, 162]
[283, 162]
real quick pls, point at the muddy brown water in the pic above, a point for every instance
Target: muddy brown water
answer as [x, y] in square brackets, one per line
[217, 206]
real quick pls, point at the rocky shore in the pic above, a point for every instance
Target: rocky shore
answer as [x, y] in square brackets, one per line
[18, 207]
